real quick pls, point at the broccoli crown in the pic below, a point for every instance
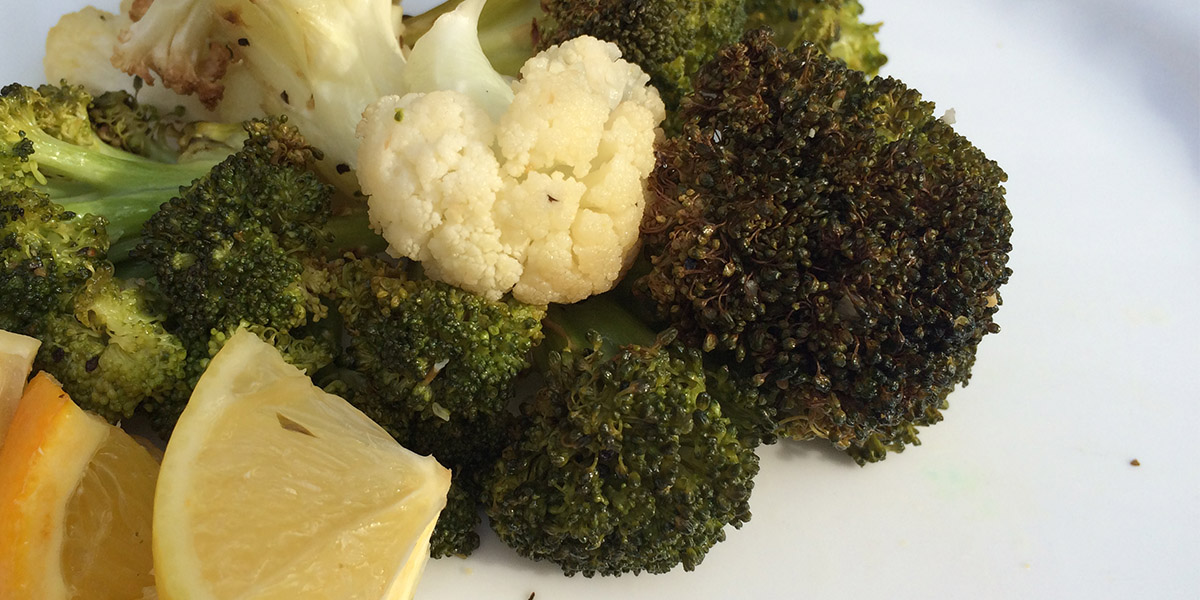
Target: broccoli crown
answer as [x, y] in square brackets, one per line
[625, 463]
[833, 237]
[833, 26]
[669, 39]
[111, 352]
[429, 347]
[235, 245]
[46, 255]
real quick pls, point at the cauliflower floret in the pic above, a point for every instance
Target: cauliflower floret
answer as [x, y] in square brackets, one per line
[79, 49]
[545, 202]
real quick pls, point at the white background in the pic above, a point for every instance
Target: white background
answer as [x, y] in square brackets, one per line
[1026, 489]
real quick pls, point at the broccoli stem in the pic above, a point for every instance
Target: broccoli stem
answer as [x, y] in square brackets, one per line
[568, 326]
[352, 233]
[108, 168]
[124, 214]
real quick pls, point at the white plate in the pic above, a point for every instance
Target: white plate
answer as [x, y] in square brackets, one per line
[1026, 490]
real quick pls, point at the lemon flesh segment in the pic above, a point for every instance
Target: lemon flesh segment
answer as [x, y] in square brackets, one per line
[272, 488]
[16, 359]
[75, 501]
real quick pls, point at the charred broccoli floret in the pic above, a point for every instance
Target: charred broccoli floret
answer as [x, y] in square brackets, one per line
[625, 461]
[829, 234]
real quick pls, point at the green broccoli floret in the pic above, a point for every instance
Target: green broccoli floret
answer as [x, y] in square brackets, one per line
[833, 26]
[102, 338]
[246, 246]
[47, 253]
[433, 349]
[112, 353]
[51, 145]
[828, 234]
[626, 461]
[435, 366]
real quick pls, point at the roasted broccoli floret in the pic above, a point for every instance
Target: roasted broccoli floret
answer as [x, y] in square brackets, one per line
[435, 366]
[832, 26]
[246, 246]
[431, 348]
[232, 247]
[102, 338]
[47, 253]
[828, 234]
[112, 353]
[626, 461]
[52, 145]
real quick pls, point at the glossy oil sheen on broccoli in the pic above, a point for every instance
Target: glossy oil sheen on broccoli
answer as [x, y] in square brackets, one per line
[625, 461]
[832, 237]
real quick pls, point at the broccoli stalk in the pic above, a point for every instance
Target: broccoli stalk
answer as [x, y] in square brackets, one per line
[626, 461]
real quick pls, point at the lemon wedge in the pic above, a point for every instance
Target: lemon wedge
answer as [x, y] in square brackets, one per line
[16, 359]
[76, 495]
[272, 488]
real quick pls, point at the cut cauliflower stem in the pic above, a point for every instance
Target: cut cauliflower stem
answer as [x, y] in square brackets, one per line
[544, 199]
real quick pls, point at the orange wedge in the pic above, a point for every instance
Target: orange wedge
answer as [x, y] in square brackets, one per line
[76, 495]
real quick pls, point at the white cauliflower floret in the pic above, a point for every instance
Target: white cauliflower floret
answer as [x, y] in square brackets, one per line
[79, 49]
[544, 202]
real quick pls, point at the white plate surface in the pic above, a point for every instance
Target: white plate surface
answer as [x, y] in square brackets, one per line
[1026, 489]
